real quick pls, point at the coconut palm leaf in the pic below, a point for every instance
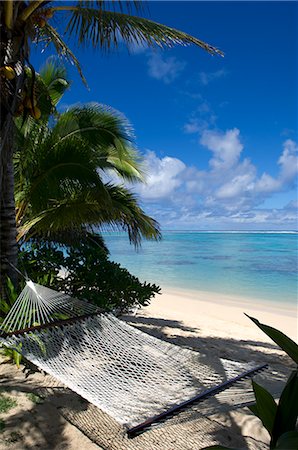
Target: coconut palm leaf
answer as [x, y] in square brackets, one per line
[81, 143]
[85, 211]
[61, 189]
[55, 174]
[130, 168]
[51, 36]
[53, 74]
[129, 5]
[94, 121]
[106, 29]
[48, 88]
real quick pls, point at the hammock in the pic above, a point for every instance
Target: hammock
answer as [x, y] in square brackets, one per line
[132, 376]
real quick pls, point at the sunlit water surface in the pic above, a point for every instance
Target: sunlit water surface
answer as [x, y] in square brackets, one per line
[256, 265]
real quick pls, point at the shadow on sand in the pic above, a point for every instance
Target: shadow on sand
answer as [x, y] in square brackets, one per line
[198, 426]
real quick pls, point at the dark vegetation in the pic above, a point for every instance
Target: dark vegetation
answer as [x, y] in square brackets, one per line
[89, 275]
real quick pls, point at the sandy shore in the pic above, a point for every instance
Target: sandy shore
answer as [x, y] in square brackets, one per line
[212, 323]
[223, 315]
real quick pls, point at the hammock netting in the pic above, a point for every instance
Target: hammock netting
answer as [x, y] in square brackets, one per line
[127, 373]
[39, 305]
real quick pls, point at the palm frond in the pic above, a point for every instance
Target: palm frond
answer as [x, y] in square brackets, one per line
[60, 190]
[30, 9]
[106, 134]
[54, 76]
[130, 216]
[105, 29]
[85, 210]
[129, 5]
[96, 123]
[46, 89]
[71, 238]
[8, 14]
[129, 168]
[62, 49]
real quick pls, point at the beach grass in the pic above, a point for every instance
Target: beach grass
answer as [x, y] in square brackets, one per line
[6, 403]
[36, 399]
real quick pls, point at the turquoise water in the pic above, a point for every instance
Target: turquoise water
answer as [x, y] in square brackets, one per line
[256, 265]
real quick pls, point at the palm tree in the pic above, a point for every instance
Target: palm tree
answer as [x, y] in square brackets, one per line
[60, 190]
[27, 23]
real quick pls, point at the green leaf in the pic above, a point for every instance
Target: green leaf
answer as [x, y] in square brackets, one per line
[288, 441]
[105, 29]
[254, 409]
[11, 290]
[265, 406]
[283, 341]
[17, 357]
[62, 49]
[287, 410]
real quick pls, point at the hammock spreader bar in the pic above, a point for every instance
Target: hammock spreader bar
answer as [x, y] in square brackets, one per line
[134, 431]
[49, 325]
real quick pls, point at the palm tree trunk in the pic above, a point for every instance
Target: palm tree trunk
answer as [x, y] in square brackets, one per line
[11, 53]
[8, 244]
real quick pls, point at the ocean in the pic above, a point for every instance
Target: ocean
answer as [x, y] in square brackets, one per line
[258, 265]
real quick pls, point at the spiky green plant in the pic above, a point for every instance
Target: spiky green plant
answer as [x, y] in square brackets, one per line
[279, 419]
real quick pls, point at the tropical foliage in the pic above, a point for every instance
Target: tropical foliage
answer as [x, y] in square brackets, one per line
[87, 274]
[62, 172]
[279, 419]
[5, 306]
[82, 22]
[62, 194]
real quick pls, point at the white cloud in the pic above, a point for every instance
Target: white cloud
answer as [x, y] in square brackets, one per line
[163, 177]
[236, 187]
[229, 194]
[163, 68]
[288, 164]
[192, 126]
[267, 184]
[226, 147]
[207, 77]
[201, 118]
[289, 161]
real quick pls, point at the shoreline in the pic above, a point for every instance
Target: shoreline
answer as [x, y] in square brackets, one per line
[222, 314]
[233, 299]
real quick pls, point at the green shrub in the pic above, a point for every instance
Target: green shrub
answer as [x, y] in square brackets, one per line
[90, 275]
[41, 262]
[5, 305]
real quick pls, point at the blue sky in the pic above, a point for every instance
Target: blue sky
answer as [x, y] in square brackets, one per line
[219, 135]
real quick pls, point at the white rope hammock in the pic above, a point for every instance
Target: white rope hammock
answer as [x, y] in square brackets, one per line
[129, 374]
[38, 305]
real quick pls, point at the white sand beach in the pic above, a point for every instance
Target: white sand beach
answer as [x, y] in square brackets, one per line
[211, 323]
[223, 315]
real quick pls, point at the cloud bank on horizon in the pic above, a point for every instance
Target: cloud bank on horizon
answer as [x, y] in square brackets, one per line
[229, 194]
